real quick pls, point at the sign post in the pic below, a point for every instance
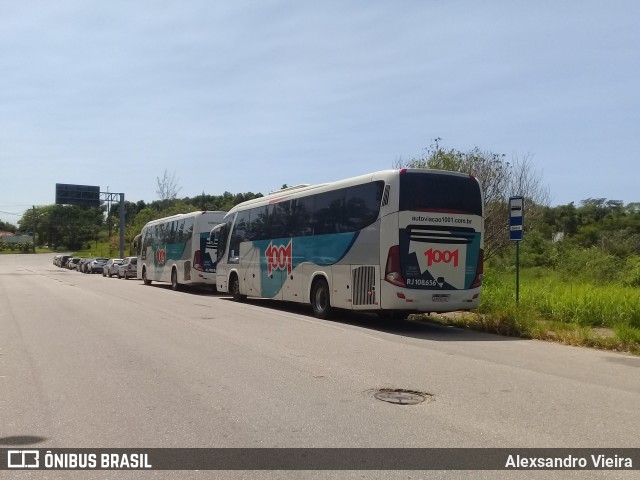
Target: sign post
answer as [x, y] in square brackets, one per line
[89, 196]
[516, 230]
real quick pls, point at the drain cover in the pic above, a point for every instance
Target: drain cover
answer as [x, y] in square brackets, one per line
[400, 396]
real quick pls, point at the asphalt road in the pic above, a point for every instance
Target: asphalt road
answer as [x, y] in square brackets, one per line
[87, 361]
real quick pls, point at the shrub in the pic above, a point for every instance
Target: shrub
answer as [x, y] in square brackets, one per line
[591, 264]
[631, 272]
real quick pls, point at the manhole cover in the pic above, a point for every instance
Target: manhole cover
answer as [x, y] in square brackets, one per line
[400, 396]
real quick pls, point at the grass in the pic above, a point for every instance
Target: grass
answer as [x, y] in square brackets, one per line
[101, 249]
[38, 250]
[97, 249]
[555, 308]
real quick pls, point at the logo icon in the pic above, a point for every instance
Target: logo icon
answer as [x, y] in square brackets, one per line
[445, 263]
[445, 256]
[23, 458]
[161, 256]
[278, 258]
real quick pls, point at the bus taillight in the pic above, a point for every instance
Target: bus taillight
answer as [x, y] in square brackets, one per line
[392, 273]
[477, 281]
[197, 262]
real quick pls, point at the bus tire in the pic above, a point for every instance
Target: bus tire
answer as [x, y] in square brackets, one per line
[144, 277]
[321, 299]
[234, 289]
[175, 286]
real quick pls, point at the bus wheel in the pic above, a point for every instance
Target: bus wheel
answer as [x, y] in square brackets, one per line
[144, 277]
[321, 299]
[234, 289]
[174, 280]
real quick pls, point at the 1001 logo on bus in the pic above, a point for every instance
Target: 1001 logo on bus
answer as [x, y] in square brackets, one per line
[278, 257]
[161, 256]
[441, 256]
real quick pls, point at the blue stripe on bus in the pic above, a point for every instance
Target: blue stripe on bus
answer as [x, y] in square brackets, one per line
[303, 250]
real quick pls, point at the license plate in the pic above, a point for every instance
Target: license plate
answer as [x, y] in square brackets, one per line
[440, 298]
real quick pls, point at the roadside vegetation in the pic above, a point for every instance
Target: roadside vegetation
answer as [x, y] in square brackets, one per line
[21, 247]
[579, 280]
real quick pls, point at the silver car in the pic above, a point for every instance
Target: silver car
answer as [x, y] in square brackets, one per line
[97, 265]
[129, 268]
[111, 267]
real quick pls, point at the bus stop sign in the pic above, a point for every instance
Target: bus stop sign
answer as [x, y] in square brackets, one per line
[516, 218]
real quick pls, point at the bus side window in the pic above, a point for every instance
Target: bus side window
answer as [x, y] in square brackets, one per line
[301, 223]
[238, 235]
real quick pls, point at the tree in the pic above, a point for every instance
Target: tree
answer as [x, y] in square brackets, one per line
[7, 227]
[69, 225]
[499, 178]
[168, 187]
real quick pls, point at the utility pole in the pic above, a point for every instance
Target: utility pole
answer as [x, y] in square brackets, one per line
[34, 228]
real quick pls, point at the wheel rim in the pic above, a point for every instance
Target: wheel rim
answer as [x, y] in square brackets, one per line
[321, 299]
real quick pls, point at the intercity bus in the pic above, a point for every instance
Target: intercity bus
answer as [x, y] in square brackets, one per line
[176, 249]
[393, 242]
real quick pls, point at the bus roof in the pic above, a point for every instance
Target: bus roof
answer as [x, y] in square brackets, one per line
[304, 190]
[180, 216]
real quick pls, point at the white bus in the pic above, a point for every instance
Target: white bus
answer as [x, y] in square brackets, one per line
[176, 249]
[395, 242]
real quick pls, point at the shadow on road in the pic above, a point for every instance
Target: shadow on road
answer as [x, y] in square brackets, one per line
[19, 440]
[422, 329]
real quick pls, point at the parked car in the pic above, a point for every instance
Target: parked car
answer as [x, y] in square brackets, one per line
[96, 265]
[72, 263]
[129, 268]
[84, 265]
[62, 260]
[80, 265]
[111, 267]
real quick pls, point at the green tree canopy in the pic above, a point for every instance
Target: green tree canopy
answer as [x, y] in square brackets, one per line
[499, 178]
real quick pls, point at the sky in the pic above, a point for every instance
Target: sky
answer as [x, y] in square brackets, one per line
[244, 96]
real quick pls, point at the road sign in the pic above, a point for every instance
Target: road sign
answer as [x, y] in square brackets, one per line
[85, 195]
[516, 218]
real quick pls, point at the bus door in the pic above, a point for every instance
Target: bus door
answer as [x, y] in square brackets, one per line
[219, 239]
[276, 251]
[273, 268]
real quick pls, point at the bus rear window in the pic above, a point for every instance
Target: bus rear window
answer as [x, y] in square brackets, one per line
[437, 192]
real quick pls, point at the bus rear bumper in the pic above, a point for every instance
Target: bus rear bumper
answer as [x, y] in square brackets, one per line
[399, 298]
